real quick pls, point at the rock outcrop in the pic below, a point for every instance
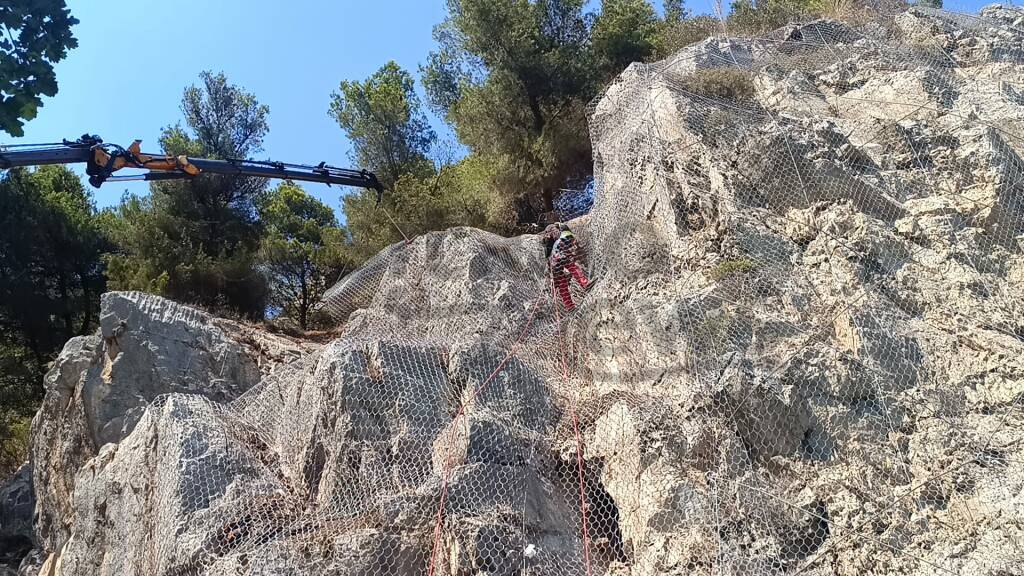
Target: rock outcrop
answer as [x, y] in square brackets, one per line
[102, 385]
[838, 263]
[802, 352]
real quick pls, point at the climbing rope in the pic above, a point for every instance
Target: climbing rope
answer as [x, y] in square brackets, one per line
[575, 426]
[455, 420]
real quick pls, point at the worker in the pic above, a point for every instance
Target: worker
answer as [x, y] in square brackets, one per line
[560, 249]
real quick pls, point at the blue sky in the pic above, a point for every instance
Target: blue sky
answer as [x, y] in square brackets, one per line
[125, 79]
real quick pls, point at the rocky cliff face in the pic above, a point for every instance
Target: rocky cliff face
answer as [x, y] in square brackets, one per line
[801, 353]
[826, 341]
[102, 386]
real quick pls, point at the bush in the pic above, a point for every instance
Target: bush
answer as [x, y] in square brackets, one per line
[732, 267]
[753, 18]
[674, 36]
[459, 194]
[721, 84]
[14, 439]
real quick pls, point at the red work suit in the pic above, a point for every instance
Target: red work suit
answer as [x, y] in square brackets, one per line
[564, 267]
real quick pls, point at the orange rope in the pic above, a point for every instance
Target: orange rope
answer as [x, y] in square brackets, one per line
[576, 430]
[451, 436]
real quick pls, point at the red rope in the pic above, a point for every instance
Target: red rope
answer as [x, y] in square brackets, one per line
[451, 436]
[576, 430]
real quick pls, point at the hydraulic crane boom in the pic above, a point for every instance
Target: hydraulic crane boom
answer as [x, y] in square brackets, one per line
[102, 160]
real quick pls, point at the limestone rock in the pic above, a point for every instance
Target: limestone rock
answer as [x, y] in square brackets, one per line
[852, 236]
[710, 53]
[170, 495]
[101, 385]
[801, 352]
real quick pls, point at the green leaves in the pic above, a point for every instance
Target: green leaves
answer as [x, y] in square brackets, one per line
[196, 241]
[510, 75]
[227, 121]
[675, 11]
[302, 250]
[15, 433]
[34, 35]
[51, 277]
[289, 212]
[749, 16]
[514, 78]
[623, 33]
[383, 118]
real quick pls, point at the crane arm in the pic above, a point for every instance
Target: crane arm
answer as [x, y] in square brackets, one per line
[102, 160]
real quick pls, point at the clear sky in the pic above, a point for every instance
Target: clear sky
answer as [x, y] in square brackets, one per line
[125, 79]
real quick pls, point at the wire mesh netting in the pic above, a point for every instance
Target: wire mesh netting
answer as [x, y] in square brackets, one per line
[787, 339]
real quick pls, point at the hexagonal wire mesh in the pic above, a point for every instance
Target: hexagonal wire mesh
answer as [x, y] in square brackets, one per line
[796, 346]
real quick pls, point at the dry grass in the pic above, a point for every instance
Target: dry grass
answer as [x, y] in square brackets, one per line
[732, 267]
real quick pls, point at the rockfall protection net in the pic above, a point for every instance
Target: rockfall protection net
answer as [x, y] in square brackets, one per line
[801, 350]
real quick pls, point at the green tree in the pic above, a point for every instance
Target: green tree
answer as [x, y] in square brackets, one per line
[676, 34]
[675, 11]
[514, 77]
[14, 440]
[303, 250]
[368, 224]
[227, 121]
[458, 194]
[196, 240]
[34, 35]
[384, 120]
[51, 277]
[50, 271]
[625, 32]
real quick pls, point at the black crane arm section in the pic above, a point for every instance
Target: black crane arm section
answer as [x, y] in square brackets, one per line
[102, 160]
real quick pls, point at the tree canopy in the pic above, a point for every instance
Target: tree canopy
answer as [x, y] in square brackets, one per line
[196, 240]
[513, 77]
[625, 32]
[34, 35]
[383, 119]
[51, 278]
[303, 250]
[50, 270]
